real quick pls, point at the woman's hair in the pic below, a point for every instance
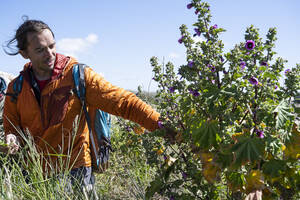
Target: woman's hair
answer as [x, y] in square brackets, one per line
[21, 35]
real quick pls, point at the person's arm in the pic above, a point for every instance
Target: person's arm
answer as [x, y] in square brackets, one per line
[11, 122]
[117, 101]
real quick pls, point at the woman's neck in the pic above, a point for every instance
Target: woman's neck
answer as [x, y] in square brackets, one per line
[42, 74]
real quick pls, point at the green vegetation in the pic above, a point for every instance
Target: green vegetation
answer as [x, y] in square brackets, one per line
[126, 178]
[237, 129]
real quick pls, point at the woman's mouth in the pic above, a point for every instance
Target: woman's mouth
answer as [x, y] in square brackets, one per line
[50, 63]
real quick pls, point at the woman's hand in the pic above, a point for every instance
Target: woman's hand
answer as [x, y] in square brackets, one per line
[13, 143]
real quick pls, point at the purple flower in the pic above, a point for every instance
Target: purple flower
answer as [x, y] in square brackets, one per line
[225, 72]
[264, 63]
[191, 64]
[242, 64]
[212, 68]
[260, 133]
[213, 81]
[287, 71]
[253, 81]
[172, 198]
[197, 32]
[189, 6]
[184, 175]
[250, 44]
[195, 93]
[172, 89]
[222, 59]
[160, 124]
[276, 86]
[196, 12]
[215, 26]
[180, 39]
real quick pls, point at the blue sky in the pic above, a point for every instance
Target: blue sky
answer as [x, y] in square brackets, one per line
[118, 38]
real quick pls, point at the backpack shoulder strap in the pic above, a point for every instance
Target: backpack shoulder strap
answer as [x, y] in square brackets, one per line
[79, 81]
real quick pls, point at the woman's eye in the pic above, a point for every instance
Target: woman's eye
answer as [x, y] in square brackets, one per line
[39, 51]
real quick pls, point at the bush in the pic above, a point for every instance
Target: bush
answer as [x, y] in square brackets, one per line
[237, 129]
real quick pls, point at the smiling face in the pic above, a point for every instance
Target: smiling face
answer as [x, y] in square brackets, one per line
[41, 51]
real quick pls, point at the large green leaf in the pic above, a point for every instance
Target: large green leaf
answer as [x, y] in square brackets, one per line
[248, 150]
[224, 159]
[206, 134]
[237, 179]
[284, 114]
[274, 168]
[154, 187]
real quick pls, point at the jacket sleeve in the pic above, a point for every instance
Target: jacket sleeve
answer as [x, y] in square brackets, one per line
[117, 101]
[11, 120]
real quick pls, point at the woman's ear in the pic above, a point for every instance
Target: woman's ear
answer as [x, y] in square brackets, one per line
[23, 53]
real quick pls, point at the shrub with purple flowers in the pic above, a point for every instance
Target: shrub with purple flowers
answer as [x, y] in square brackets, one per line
[237, 129]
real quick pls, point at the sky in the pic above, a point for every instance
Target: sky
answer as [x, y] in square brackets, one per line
[118, 38]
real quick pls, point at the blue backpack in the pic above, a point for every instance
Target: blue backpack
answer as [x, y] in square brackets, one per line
[2, 93]
[100, 140]
[101, 144]
[2, 86]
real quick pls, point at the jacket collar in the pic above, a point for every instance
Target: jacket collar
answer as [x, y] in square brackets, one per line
[61, 62]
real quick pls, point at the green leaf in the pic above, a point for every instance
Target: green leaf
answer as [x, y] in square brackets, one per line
[228, 91]
[262, 68]
[248, 150]
[274, 168]
[206, 135]
[236, 179]
[224, 159]
[270, 75]
[283, 114]
[154, 187]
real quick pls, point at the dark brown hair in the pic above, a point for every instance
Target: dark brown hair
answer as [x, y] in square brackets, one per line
[21, 35]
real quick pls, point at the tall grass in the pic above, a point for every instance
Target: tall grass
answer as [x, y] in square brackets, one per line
[126, 178]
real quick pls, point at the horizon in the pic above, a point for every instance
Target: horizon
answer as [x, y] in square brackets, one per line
[118, 39]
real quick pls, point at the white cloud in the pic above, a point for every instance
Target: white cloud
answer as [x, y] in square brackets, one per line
[92, 38]
[73, 46]
[174, 55]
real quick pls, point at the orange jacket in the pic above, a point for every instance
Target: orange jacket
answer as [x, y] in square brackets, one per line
[50, 121]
